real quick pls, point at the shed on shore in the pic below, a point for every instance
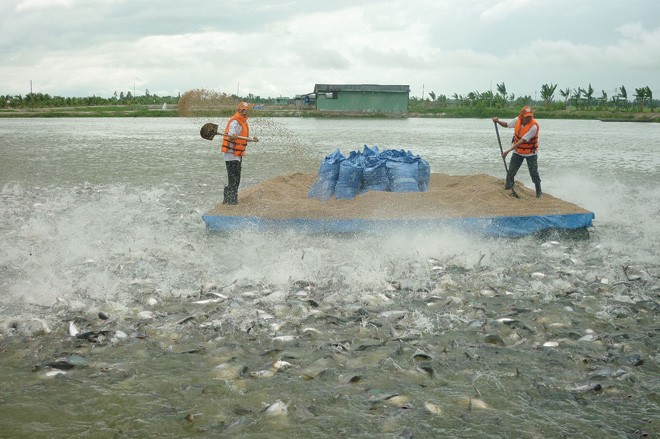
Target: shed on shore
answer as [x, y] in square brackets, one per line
[366, 98]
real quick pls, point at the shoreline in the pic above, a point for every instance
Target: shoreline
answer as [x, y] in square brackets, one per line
[146, 111]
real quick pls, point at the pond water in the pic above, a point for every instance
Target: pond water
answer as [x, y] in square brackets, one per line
[179, 332]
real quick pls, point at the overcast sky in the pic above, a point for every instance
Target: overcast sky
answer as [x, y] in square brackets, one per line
[283, 47]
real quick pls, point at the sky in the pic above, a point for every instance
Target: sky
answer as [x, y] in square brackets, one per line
[81, 48]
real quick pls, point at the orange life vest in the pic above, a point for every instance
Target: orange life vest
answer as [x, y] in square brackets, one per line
[239, 144]
[531, 145]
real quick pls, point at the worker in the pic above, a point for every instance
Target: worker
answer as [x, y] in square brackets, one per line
[524, 145]
[233, 150]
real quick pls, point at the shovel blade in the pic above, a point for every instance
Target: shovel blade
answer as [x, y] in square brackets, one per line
[208, 131]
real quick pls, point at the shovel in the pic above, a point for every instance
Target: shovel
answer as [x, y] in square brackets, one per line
[497, 131]
[210, 130]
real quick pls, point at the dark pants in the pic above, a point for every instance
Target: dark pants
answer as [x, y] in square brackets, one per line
[233, 181]
[514, 165]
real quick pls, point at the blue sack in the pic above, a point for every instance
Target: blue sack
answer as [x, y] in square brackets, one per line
[403, 175]
[324, 186]
[423, 175]
[375, 175]
[370, 170]
[349, 181]
[369, 152]
[392, 154]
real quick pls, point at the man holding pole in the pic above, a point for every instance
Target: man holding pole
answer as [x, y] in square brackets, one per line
[525, 145]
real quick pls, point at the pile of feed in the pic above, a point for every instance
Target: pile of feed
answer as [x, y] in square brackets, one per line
[448, 196]
[199, 102]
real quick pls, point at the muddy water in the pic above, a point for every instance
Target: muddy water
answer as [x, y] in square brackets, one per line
[122, 317]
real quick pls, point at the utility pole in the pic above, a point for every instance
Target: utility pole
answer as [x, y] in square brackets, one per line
[30, 86]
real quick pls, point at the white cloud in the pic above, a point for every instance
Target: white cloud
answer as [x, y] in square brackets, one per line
[274, 48]
[501, 11]
[33, 5]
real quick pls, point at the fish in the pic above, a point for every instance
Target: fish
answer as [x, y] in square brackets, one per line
[207, 301]
[587, 387]
[285, 338]
[474, 404]
[278, 408]
[266, 373]
[420, 355]
[434, 409]
[73, 330]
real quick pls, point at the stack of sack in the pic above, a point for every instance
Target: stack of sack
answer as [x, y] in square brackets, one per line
[370, 170]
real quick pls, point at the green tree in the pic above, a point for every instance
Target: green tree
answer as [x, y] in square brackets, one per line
[487, 97]
[501, 90]
[603, 98]
[548, 92]
[473, 97]
[577, 96]
[623, 95]
[588, 94]
[640, 97]
[566, 94]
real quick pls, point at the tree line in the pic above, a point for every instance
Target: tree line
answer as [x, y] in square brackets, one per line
[580, 98]
[44, 100]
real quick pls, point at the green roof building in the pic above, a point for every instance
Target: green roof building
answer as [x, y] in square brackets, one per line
[364, 98]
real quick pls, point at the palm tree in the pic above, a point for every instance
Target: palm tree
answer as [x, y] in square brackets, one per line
[588, 94]
[640, 96]
[566, 93]
[473, 97]
[577, 95]
[501, 89]
[548, 92]
[623, 94]
[603, 97]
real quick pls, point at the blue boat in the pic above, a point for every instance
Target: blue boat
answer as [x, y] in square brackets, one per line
[474, 204]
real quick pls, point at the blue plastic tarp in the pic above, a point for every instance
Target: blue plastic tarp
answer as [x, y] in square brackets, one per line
[500, 226]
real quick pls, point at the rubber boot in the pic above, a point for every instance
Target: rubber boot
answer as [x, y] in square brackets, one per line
[539, 193]
[509, 183]
[226, 197]
[232, 197]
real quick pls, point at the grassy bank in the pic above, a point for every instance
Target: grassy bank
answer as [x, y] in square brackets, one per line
[415, 110]
[632, 115]
[95, 111]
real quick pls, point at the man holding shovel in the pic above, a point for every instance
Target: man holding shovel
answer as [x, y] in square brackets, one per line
[233, 150]
[525, 144]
